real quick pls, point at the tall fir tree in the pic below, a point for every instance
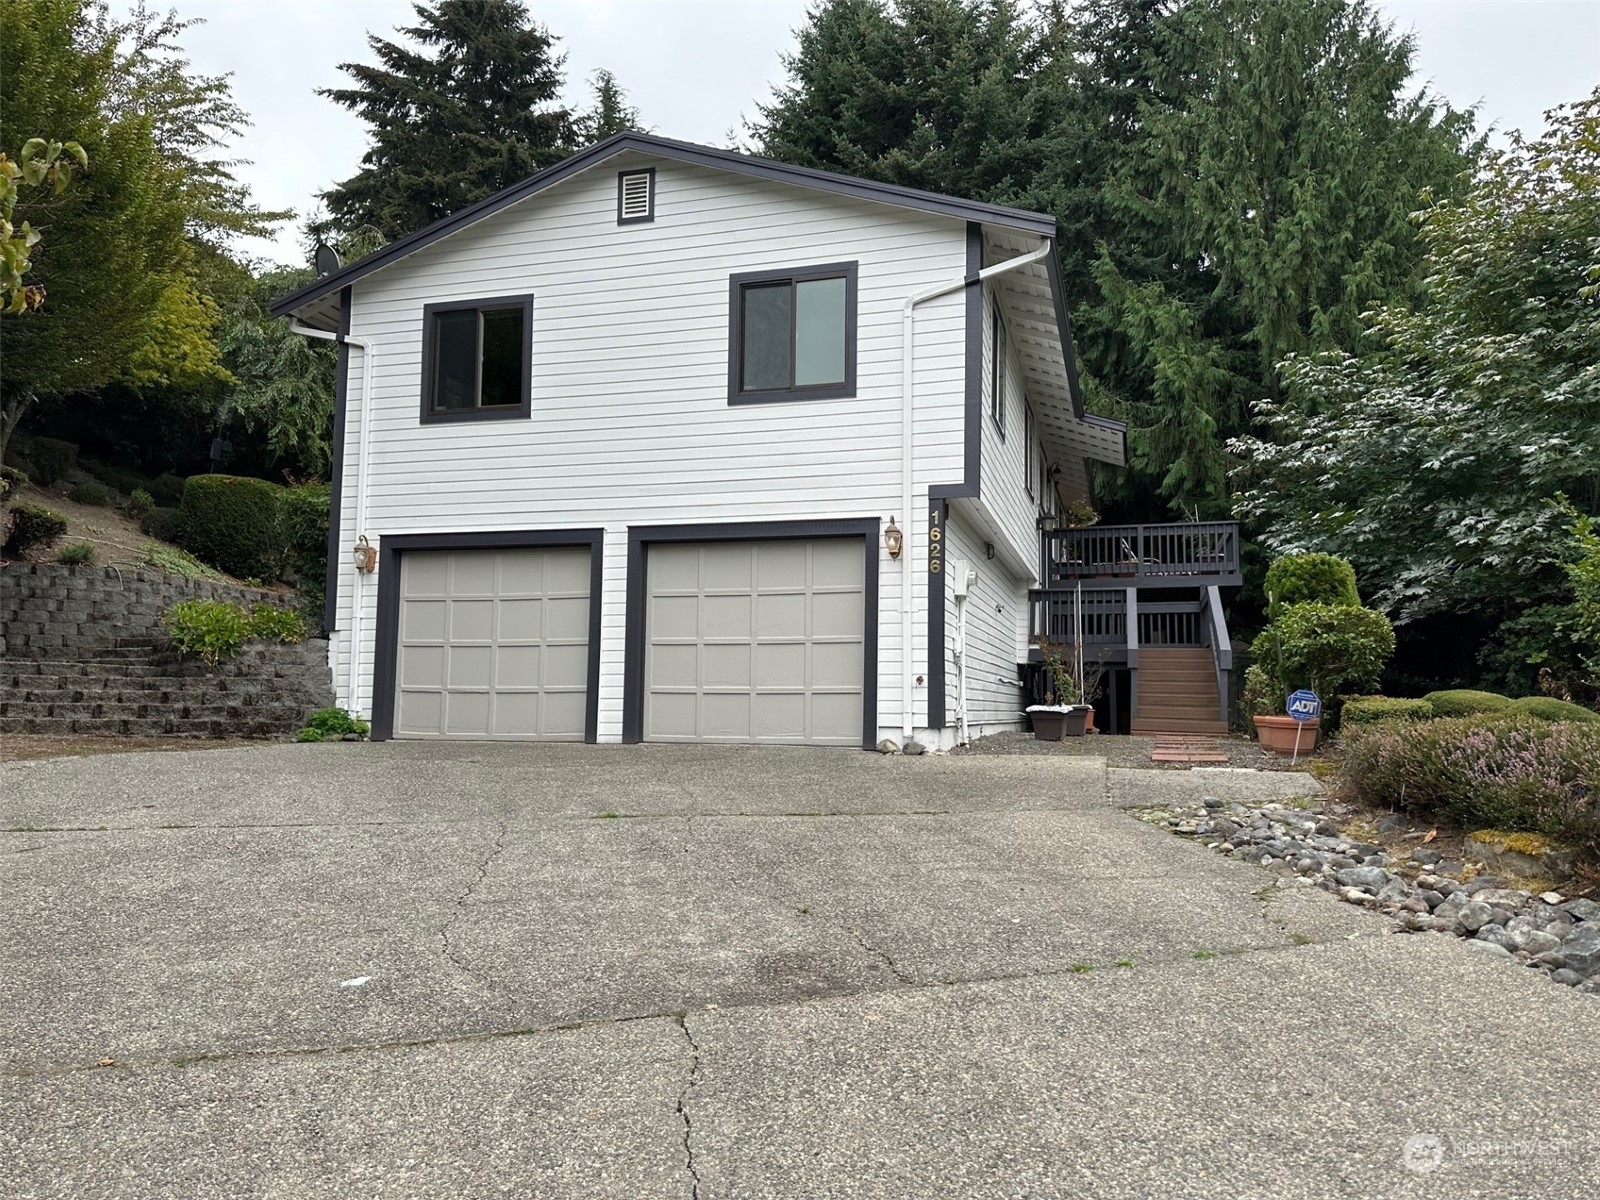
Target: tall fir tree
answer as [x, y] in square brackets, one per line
[610, 114]
[472, 110]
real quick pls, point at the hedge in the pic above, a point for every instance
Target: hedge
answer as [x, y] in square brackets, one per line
[32, 527]
[1550, 709]
[232, 523]
[1373, 710]
[1311, 578]
[1463, 702]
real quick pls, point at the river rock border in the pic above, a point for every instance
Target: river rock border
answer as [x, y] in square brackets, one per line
[1305, 847]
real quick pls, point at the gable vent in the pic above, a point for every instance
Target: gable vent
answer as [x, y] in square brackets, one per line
[636, 196]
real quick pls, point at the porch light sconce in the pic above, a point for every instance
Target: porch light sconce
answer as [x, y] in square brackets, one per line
[893, 539]
[364, 556]
[988, 550]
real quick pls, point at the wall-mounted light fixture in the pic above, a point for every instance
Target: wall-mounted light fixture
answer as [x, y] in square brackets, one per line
[988, 550]
[893, 539]
[364, 556]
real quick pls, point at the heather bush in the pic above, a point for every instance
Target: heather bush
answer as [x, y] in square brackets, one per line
[1498, 771]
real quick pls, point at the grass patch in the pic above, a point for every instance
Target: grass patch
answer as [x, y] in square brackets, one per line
[1124, 962]
[177, 562]
[1082, 968]
[1204, 955]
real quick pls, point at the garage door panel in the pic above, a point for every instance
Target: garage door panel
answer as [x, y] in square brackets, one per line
[836, 615]
[471, 621]
[836, 665]
[726, 666]
[519, 620]
[566, 618]
[423, 620]
[781, 665]
[739, 637]
[493, 643]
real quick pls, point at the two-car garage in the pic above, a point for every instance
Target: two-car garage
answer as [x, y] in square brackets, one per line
[728, 639]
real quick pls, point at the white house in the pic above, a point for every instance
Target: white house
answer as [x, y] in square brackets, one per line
[669, 443]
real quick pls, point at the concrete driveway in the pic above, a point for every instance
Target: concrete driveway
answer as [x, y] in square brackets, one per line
[465, 970]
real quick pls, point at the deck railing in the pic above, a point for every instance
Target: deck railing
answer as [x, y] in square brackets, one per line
[1056, 616]
[1139, 552]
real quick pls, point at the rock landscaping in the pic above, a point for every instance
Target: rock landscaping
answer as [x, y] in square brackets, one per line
[1423, 892]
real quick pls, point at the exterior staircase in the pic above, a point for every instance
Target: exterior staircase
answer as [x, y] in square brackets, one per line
[1178, 692]
[142, 689]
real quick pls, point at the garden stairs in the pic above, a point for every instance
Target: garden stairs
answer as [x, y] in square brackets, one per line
[1178, 692]
[84, 653]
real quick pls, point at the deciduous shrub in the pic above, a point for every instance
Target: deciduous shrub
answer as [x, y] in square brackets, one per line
[79, 554]
[276, 624]
[32, 527]
[1373, 710]
[1496, 770]
[140, 504]
[1463, 702]
[12, 479]
[51, 459]
[330, 724]
[1326, 647]
[232, 523]
[305, 534]
[92, 493]
[213, 629]
[167, 490]
[1548, 708]
[1311, 579]
[163, 523]
[1260, 696]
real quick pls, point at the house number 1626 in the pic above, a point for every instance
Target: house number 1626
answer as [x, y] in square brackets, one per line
[935, 542]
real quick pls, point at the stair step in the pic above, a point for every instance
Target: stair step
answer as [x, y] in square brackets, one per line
[1145, 726]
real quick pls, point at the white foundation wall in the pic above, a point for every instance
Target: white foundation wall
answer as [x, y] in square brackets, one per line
[631, 423]
[996, 636]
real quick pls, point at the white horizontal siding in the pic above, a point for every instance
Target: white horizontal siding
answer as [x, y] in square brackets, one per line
[996, 634]
[1008, 458]
[631, 424]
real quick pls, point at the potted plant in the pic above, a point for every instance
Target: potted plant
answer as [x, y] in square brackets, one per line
[1062, 714]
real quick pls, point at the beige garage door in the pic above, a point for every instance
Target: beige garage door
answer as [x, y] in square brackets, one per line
[493, 644]
[755, 642]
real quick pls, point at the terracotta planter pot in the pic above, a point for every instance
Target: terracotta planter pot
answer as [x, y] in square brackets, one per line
[1278, 734]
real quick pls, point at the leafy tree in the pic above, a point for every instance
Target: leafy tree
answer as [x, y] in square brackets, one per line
[474, 109]
[1438, 455]
[38, 164]
[283, 383]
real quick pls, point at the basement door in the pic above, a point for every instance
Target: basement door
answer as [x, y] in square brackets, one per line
[755, 642]
[493, 644]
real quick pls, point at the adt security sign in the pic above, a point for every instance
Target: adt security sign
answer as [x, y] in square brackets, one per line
[1304, 706]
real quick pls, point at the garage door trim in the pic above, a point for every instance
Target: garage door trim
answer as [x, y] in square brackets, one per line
[640, 538]
[390, 549]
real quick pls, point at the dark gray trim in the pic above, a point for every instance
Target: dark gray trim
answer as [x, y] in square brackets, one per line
[498, 413]
[641, 537]
[341, 389]
[727, 160]
[791, 275]
[650, 214]
[386, 643]
[998, 369]
[1052, 262]
[938, 514]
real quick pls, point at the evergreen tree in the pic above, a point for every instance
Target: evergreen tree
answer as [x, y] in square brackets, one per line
[610, 115]
[474, 110]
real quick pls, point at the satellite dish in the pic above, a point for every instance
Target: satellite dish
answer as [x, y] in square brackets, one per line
[325, 258]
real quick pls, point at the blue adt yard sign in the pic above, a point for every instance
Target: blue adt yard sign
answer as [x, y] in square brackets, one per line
[1304, 706]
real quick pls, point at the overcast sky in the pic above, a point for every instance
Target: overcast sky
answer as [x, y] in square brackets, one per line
[695, 67]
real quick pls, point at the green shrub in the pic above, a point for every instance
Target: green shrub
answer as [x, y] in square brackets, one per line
[1548, 708]
[1372, 710]
[91, 493]
[213, 629]
[305, 534]
[276, 624]
[52, 459]
[12, 479]
[1498, 771]
[167, 490]
[176, 562]
[1311, 579]
[163, 523]
[32, 527]
[1463, 702]
[140, 505]
[1327, 647]
[1260, 695]
[79, 554]
[330, 724]
[232, 523]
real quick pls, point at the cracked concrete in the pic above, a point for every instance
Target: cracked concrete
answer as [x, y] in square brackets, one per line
[731, 992]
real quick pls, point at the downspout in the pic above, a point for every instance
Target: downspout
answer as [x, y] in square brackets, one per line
[362, 443]
[907, 405]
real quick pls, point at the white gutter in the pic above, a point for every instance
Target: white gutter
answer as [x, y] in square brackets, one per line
[907, 404]
[362, 444]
